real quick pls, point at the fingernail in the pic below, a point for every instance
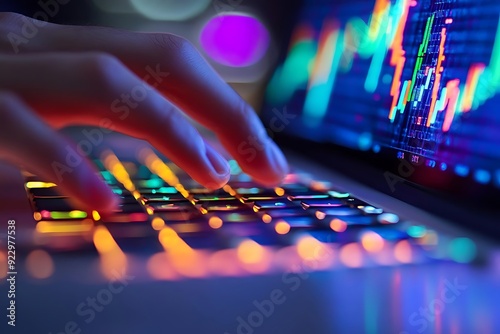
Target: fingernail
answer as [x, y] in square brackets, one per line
[219, 164]
[277, 158]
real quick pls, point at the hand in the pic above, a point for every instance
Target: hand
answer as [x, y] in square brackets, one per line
[140, 82]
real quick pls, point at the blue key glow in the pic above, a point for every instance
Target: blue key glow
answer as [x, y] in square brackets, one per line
[482, 176]
[462, 170]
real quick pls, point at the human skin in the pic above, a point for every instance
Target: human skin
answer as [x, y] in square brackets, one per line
[70, 75]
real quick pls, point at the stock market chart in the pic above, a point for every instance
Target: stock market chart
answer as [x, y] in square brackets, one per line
[419, 77]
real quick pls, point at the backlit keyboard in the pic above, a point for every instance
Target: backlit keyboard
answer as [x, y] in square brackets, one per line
[242, 228]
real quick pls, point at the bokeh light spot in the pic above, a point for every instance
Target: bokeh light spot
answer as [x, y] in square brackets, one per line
[170, 10]
[463, 250]
[39, 264]
[235, 40]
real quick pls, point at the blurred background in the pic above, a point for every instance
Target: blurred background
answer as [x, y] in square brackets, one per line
[240, 38]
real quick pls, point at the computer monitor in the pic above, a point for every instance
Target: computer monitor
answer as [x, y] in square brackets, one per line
[412, 84]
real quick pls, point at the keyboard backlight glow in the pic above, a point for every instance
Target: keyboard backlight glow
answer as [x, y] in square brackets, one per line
[215, 222]
[351, 256]
[39, 185]
[338, 225]
[104, 241]
[320, 215]
[64, 226]
[96, 216]
[75, 214]
[372, 242]
[309, 248]
[282, 227]
[250, 252]
[403, 252]
[157, 223]
[171, 242]
[39, 264]
[337, 194]
[279, 191]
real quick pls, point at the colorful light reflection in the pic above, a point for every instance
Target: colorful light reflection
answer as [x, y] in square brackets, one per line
[236, 40]
[170, 10]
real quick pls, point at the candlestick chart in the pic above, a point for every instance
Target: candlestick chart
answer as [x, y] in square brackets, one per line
[421, 77]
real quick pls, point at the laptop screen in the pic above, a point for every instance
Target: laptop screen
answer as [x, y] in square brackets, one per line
[417, 80]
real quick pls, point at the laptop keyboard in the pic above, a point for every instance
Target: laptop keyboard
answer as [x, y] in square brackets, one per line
[158, 200]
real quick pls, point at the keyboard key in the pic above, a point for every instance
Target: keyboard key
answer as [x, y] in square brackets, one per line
[322, 203]
[262, 198]
[295, 188]
[205, 191]
[371, 210]
[388, 218]
[339, 194]
[130, 208]
[179, 216]
[287, 212]
[161, 190]
[46, 192]
[262, 195]
[239, 217]
[63, 215]
[171, 206]
[131, 217]
[354, 202]
[273, 205]
[128, 199]
[53, 204]
[150, 183]
[210, 197]
[254, 191]
[311, 195]
[151, 198]
[335, 211]
[231, 205]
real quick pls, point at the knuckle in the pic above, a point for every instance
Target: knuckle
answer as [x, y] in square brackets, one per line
[171, 41]
[101, 63]
[173, 45]
[170, 117]
[101, 69]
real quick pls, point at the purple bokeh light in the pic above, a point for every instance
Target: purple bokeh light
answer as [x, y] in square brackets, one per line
[236, 40]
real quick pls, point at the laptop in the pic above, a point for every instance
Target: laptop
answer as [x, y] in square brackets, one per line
[386, 223]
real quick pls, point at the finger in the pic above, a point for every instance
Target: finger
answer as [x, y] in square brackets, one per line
[191, 84]
[89, 88]
[27, 141]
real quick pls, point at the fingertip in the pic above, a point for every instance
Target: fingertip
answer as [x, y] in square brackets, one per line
[270, 168]
[220, 171]
[98, 196]
[219, 165]
[278, 161]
